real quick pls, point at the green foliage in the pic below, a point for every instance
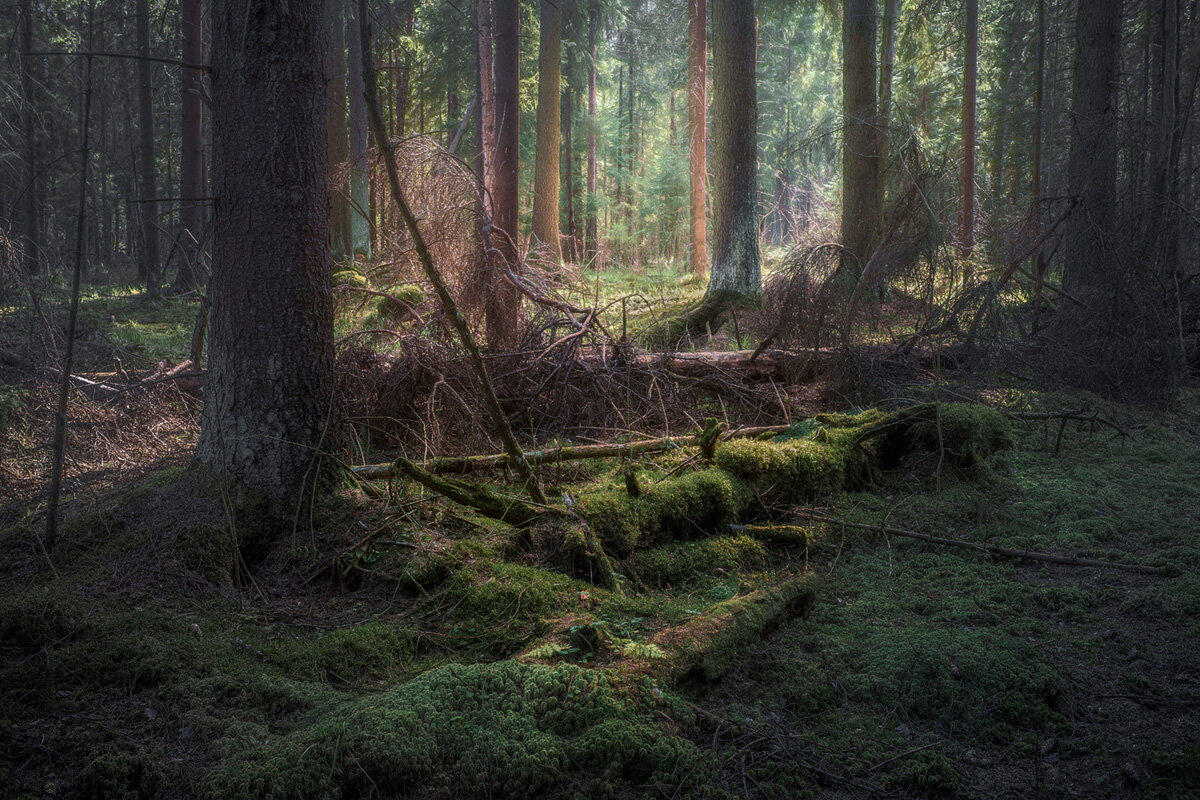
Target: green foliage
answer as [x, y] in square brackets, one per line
[12, 400]
[471, 731]
[400, 300]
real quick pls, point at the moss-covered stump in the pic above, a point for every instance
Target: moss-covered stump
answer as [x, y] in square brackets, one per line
[471, 731]
[965, 433]
[398, 302]
[702, 650]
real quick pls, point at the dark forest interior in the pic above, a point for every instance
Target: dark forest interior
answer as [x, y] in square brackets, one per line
[599, 399]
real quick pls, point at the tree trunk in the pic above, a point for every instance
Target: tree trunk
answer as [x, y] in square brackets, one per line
[860, 154]
[32, 244]
[1091, 271]
[592, 247]
[966, 219]
[360, 201]
[149, 192]
[698, 141]
[545, 240]
[191, 151]
[337, 143]
[503, 303]
[268, 405]
[736, 272]
[569, 156]
[486, 91]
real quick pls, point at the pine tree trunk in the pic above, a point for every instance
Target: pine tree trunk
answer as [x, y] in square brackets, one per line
[860, 153]
[32, 244]
[337, 143]
[360, 225]
[569, 156]
[698, 136]
[149, 193]
[1091, 271]
[592, 246]
[966, 220]
[545, 241]
[503, 303]
[191, 150]
[736, 271]
[268, 404]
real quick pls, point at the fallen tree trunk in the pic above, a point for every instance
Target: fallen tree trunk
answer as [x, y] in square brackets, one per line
[462, 465]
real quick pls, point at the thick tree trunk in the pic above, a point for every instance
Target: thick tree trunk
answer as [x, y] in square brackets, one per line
[31, 224]
[360, 201]
[860, 148]
[503, 302]
[191, 151]
[698, 141]
[545, 241]
[149, 192]
[966, 219]
[736, 270]
[338, 145]
[268, 404]
[1091, 269]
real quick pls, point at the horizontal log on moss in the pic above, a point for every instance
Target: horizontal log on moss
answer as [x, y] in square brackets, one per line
[780, 534]
[781, 365]
[462, 465]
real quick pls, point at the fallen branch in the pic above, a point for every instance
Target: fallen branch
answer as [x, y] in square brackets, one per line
[462, 465]
[781, 534]
[483, 500]
[988, 549]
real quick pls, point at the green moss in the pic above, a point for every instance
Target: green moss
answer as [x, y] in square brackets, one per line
[967, 433]
[371, 651]
[792, 470]
[124, 773]
[478, 731]
[686, 563]
[676, 508]
[399, 302]
[349, 277]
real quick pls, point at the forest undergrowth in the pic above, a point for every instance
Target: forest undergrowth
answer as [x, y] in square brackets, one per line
[397, 644]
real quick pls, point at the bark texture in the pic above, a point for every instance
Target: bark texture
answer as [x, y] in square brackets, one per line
[698, 142]
[502, 306]
[736, 270]
[268, 409]
[860, 153]
[545, 241]
[1092, 165]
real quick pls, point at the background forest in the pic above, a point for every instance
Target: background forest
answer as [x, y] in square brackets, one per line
[599, 398]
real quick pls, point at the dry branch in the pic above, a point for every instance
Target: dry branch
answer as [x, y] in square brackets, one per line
[988, 549]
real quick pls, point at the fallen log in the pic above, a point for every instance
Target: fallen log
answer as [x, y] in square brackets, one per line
[462, 465]
[988, 549]
[780, 365]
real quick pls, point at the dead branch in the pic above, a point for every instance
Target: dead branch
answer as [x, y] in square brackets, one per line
[988, 549]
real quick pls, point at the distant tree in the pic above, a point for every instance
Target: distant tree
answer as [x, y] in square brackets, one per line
[860, 137]
[736, 271]
[698, 142]
[545, 241]
[337, 142]
[29, 152]
[268, 403]
[591, 227]
[485, 86]
[191, 149]
[148, 206]
[502, 305]
[1090, 269]
[360, 202]
[966, 220]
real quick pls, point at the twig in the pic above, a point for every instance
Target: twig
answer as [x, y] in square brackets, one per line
[989, 549]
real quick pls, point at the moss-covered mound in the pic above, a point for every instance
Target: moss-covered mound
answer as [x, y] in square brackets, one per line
[471, 731]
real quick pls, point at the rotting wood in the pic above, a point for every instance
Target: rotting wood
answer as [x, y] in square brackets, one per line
[987, 549]
[462, 465]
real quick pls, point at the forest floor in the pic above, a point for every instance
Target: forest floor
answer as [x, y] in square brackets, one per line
[396, 645]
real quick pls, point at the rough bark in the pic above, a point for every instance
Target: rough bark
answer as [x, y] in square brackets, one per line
[268, 406]
[503, 302]
[191, 151]
[736, 270]
[966, 219]
[545, 241]
[860, 155]
[149, 193]
[698, 142]
[29, 175]
[1090, 271]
